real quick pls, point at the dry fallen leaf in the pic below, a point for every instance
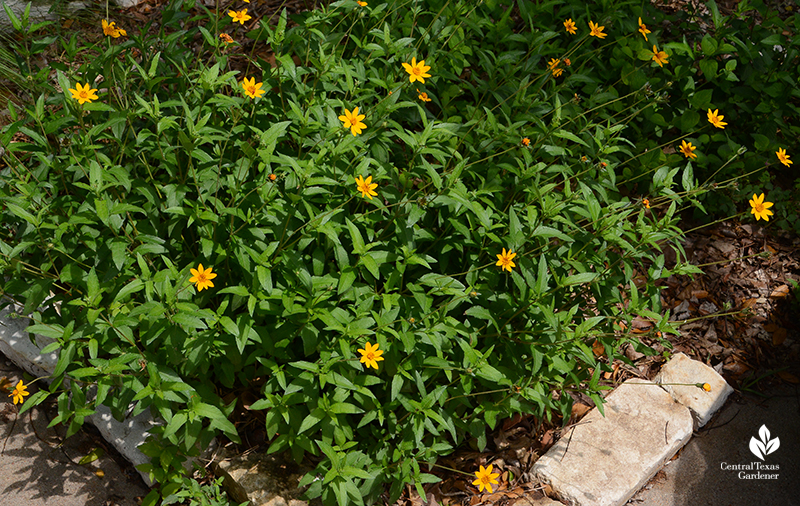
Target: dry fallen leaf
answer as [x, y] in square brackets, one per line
[781, 291]
[778, 337]
[598, 348]
[579, 409]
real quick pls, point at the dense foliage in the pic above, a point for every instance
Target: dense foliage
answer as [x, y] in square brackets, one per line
[424, 217]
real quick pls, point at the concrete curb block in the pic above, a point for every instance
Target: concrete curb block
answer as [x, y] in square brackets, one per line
[15, 343]
[604, 461]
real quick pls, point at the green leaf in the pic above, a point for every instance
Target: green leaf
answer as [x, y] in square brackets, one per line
[132, 287]
[701, 99]
[355, 236]
[93, 455]
[709, 45]
[709, 68]
[545, 232]
[311, 420]
[578, 279]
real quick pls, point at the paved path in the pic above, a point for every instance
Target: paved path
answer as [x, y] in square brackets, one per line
[696, 477]
[35, 471]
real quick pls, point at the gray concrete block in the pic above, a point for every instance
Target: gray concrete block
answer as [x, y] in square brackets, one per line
[605, 460]
[702, 404]
[15, 343]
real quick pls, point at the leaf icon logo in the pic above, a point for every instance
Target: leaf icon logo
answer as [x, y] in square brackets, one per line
[763, 447]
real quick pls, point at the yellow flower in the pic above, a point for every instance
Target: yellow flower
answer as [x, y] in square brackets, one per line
[596, 31]
[659, 57]
[113, 31]
[226, 38]
[783, 157]
[371, 356]
[526, 142]
[202, 278]
[417, 71]
[423, 96]
[706, 387]
[366, 187]
[83, 94]
[716, 119]
[504, 260]
[760, 208]
[19, 392]
[241, 17]
[553, 64]
[485, 478]
[352, 120]
[251, 88]
[643, 29]
[687, 148]
[646, 203]
[362, 4]
[567, 62]
[569, 26]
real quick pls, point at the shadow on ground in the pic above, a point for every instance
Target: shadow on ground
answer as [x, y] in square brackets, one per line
[35, 469]
[697, 478]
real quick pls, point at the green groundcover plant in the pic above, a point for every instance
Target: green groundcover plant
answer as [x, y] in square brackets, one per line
[417, 222]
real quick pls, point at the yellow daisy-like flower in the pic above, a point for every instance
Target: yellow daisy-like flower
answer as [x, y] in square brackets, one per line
[111, 30]
[417, 71]
[371, 355]
[19, 392]
[352, 120]
[557, 72]
[553, 63]
[526, 142]
[423, 96]
[716, 119]
[83, 94]
[202, 278]
[783, 157]
[646, 203]
[251, 88]
[687, 148]
[486, 478]
[226, 38]
[596, 30]
[569, 26]
[362, 4]
[760, 208]
[643, 29]
[659, 57]
[706, 387]
[240, 16]
[504, 260]
[366, 187]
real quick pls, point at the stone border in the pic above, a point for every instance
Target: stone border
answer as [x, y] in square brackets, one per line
[17, 345]
[605, 460]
